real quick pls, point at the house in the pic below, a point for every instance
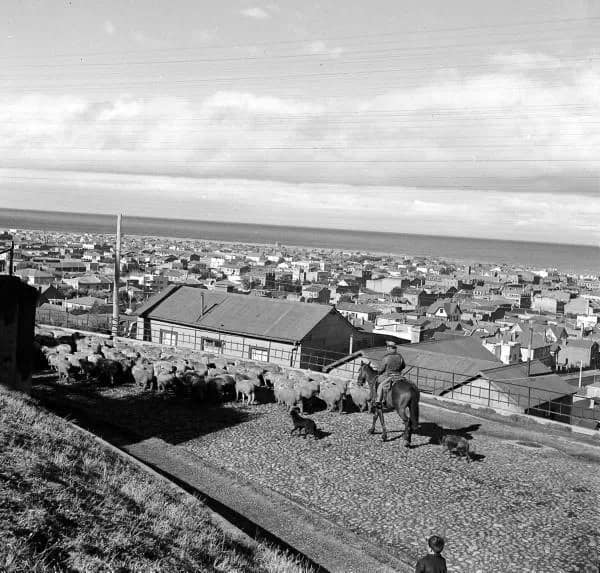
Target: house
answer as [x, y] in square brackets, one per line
[234, 269]
[578, 306]
[359, 312]
[316, 293]
[578, 352]
[407, 328]
[509, 388]
[444, 309]
[258, 328]
[49, 294]
[87, 303]
[35, 277]
[508, 351]
[92, 281]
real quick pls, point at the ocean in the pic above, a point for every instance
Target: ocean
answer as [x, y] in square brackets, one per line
[567, 258]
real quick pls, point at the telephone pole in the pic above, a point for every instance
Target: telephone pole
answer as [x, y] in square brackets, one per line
[115, 313]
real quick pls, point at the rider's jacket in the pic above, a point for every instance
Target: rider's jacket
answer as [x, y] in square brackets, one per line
[392, 362]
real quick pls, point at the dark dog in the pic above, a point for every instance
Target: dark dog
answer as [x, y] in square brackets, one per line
[456, 445]
[305, 424]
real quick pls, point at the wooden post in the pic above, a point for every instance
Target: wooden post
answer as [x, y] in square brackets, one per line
[115, 313]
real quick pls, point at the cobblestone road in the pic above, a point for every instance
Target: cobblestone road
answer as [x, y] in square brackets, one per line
[517, 508]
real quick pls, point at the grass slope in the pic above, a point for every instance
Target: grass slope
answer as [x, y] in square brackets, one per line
[67, 504]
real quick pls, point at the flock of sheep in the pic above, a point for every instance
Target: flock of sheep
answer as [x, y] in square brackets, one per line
[200, 375]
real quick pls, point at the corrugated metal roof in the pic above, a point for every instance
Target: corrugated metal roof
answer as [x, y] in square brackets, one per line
[254, 316]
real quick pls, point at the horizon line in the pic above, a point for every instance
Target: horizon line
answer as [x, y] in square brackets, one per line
[258, 224]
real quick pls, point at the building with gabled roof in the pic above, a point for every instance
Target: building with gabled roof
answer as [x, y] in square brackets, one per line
[509, 388]
[266, 329]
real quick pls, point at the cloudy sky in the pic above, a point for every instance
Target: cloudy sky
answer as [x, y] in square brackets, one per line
[463, 118]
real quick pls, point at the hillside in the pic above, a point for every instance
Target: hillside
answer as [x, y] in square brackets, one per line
[68, 504]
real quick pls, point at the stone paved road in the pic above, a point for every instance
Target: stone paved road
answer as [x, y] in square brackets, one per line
[519, 508]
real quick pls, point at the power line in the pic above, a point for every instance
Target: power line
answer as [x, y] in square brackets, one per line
[394, 33]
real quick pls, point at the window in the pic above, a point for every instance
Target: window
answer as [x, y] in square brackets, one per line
[168, 338]
[258, 353]
[212, 343]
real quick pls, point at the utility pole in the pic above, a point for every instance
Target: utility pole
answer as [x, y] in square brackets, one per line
[115, 314]
[529, 348]
[580, 373]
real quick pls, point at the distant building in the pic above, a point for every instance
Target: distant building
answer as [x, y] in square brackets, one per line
[444, 309]
[35, 277]
[578, 352]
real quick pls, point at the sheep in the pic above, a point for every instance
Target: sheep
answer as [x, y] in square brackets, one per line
[63, 348]
[360, 395]
[63, 367]
[245, 386]
[163, 366]
[283, 389]
[333, 392]
[305, 390]
[169, 381]
[143, 374]
[195, 384]
[221, 387]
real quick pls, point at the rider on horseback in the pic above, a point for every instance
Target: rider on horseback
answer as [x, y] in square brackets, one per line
[391, 367]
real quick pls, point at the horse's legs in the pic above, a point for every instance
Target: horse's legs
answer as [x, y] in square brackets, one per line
[407, 432]
[384, 431]
[375, 415]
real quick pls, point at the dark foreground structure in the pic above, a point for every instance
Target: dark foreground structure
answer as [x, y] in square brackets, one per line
[17, 325]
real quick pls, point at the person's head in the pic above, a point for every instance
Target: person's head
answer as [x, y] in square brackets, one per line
[390, 345]
[436, 543]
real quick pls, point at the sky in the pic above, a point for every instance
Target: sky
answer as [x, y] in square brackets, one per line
[463, 118]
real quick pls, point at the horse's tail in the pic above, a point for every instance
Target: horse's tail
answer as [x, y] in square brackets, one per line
[414, 410]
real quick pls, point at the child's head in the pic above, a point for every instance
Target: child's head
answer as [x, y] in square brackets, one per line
[436, 543]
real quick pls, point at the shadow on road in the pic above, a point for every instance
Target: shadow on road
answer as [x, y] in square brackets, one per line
[138, 414]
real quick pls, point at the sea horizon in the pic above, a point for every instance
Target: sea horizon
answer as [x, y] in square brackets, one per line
[576, 258]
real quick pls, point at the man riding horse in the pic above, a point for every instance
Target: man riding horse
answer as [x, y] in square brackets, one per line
[390, 370]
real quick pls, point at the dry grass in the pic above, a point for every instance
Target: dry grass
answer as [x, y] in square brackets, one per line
[67, 504]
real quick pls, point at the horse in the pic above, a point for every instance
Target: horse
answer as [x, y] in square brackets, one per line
[402, 395]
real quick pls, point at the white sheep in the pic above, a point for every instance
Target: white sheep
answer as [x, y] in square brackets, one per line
[333, 392]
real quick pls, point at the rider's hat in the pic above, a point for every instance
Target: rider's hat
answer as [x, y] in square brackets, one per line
[390, 344]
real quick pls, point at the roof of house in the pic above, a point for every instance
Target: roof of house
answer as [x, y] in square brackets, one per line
[349, 306]
[580, 342]
[256, 316]
[33, 273]
[437, 363]
[86, 301]
[528, 391]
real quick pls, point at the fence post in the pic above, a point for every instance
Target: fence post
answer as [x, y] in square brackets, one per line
[417, 376]
[489, 392]
[529, 399]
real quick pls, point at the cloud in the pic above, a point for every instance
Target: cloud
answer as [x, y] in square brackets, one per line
[255, 13]
[321, 47]
[526, 61]
[109, 28]
[469, 145]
